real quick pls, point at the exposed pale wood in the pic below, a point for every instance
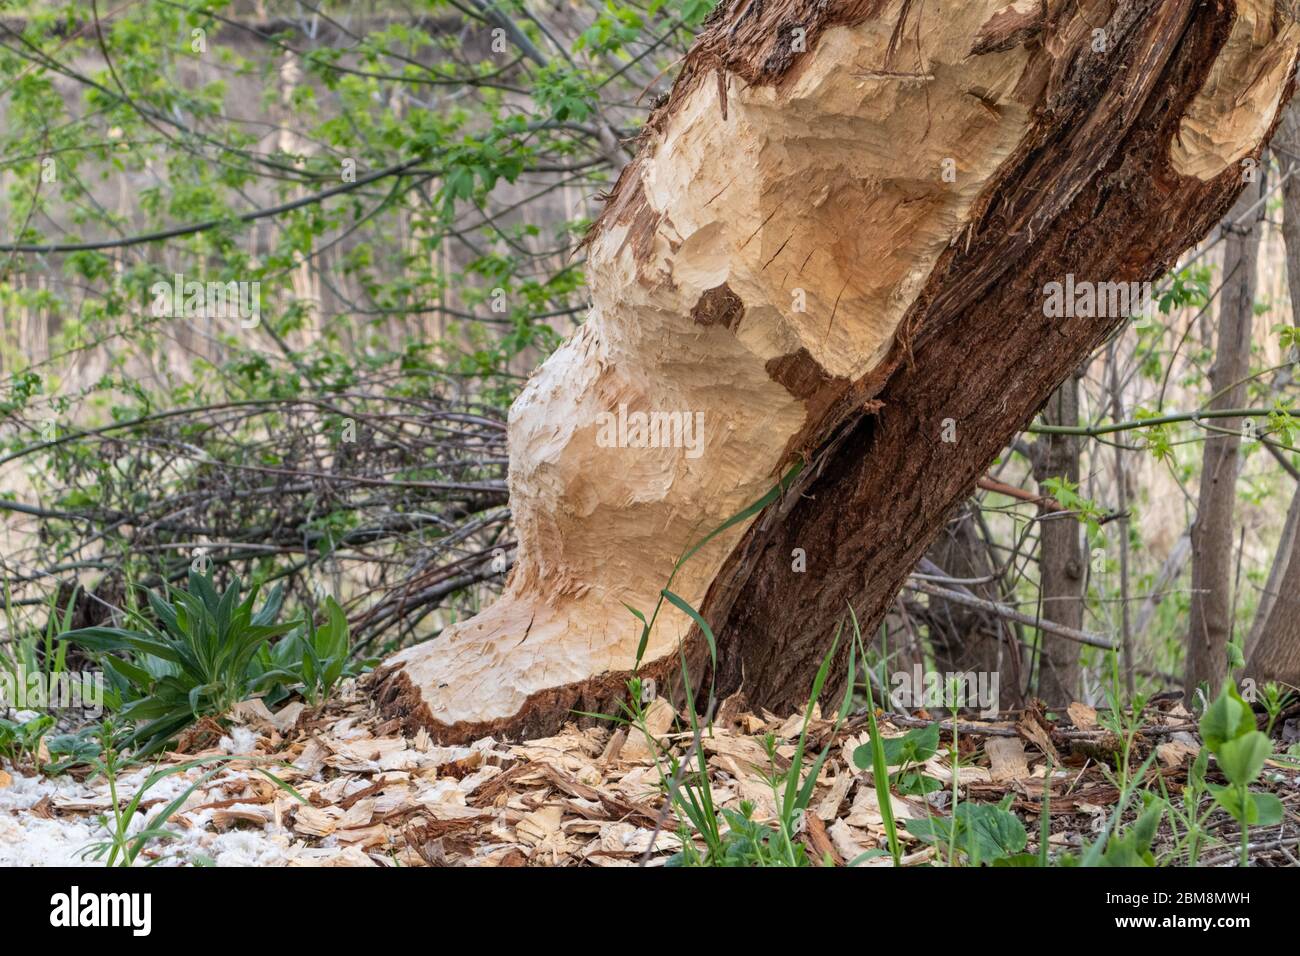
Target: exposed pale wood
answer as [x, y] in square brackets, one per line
[1240, 100]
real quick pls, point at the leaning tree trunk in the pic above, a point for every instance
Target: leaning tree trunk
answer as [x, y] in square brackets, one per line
[1209, 625]
[833, 246]
[1276, 656]
[1273, 647]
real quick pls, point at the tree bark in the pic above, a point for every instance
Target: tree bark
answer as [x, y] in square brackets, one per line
[1060, 553]
[833, 245]
[1276, 657]
[1209, 625]
[1273, 646]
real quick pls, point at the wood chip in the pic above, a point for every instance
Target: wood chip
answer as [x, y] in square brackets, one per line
[1082, 716]
[364, 837]
[253, 713]
[312, 822]
[848, 842]
[349, 856]
[793, 725]
[1007, 759]
[614, 747]
[1175, 753]
[659, 719]
[819, 841]
[286, 718]
[738, 756]
[829, 806]
[225, 818]
[865, 811]
[311, 760]
[536, 827]
[1032, 731]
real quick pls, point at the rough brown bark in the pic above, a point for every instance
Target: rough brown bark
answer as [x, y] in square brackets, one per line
[1273, 647]
[1277, 655]
[1209, 625]
[1122, 160]
[1060, 553]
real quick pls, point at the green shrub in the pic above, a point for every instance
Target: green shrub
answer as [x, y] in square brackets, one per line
[199, 660]
[314, 658]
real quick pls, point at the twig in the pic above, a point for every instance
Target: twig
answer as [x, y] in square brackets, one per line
[1010, 614]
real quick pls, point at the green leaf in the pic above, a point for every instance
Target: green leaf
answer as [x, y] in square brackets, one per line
[1196, 775]
[916, 784]
[1242, 758]
[985, 833]
[1268, 809]
[916, 746]
[1251, 809]
[995, 832]
[1229, 798]
[1228, 717]
[338, 630]
[694, 615]
[115, 639]
[1133, 848]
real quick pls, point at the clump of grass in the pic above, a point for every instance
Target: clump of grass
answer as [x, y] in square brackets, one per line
[732, 837]
[311, 659]
[207, 652]
[198, 660]
[878, 758]
[20, 741]
[122, 847]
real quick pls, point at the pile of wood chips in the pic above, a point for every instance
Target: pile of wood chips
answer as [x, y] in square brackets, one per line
[594, 795]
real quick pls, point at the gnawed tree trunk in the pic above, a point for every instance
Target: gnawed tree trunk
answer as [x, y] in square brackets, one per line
[1060, 552]
[833, 244]
[1209, 625]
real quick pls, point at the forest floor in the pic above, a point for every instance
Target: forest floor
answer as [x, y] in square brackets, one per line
[343, 787]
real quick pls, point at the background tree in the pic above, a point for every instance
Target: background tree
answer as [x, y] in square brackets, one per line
[1062, 563]
[1273, 645]
[1210, 625]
